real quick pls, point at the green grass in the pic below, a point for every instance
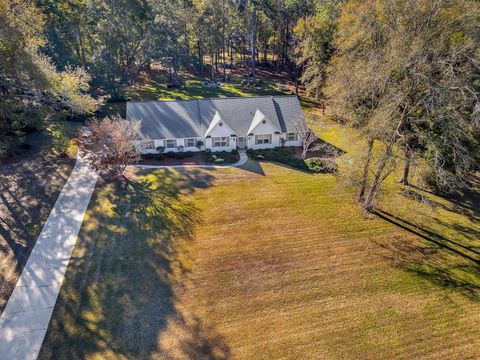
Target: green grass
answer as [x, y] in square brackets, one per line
[268, 262]
[157, 90]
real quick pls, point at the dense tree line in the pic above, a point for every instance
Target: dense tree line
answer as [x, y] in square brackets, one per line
[406, 73]
[53, 50]
[32, 89]
[116, 40]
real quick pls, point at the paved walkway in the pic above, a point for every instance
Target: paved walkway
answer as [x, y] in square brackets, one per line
[25, 320]
[242, 161]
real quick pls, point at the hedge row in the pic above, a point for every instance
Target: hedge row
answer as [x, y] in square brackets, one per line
[169, 155]
[216, 157]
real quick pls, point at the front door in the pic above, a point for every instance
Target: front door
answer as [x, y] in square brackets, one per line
[241, 142]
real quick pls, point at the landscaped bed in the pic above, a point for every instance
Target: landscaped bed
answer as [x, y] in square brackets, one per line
[206, 157]
[323, 162]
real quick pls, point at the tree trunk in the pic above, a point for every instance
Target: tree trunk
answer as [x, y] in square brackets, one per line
[223, 38]
[377, 179]
[185, 29]
[212, 55]
[254, 43]
[200, 56]
[366, 168]
[81, 47]
[231, 56]
[406, 168]
[285, 42]
[265, 49]
[295, 77]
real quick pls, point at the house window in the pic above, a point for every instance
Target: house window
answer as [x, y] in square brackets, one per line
[263, 139]
[291, 137]
[220, 141]
[148, 145]
[170, 144]
[190, 142]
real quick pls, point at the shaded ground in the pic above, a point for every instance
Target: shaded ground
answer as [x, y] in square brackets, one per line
[320, 149]
[29, 187]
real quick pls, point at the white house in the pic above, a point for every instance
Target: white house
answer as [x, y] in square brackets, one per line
[220, 123]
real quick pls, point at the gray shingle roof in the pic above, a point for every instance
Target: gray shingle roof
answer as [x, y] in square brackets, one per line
[191, 118]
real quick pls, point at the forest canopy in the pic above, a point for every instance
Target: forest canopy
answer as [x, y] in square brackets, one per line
[405, 73]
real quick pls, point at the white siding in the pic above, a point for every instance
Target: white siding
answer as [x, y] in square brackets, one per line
[263, 129]
[297, 142]
[221, 131]
[180, 141]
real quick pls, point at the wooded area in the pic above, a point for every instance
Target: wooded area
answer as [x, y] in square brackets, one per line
[405, 72]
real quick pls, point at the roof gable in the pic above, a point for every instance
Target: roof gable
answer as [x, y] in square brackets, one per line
[217, 119]
[257, 120]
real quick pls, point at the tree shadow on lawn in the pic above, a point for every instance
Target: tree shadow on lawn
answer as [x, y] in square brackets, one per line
[467, 203]
[253, 166]
[128, 269]
[194, 89]
[29, 187]
[443, 262]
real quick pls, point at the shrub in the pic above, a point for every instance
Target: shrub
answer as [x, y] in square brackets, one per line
[319, 165]
[221, 156]
[217, 159]
[149, 156]
[157, 157]
[199, 144]
[250, 153]
[298, 163]
[160, 149]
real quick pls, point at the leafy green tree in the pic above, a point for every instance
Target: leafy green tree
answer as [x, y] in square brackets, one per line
[252, 8]
[315, 35]
[67, 27]
[406, 73]
[32, 90]
[125, 35]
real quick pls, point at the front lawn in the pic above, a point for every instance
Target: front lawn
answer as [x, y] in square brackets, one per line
[269, 263]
